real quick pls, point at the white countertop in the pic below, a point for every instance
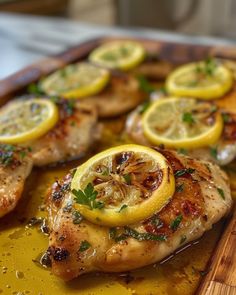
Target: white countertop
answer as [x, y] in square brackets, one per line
[25, 39]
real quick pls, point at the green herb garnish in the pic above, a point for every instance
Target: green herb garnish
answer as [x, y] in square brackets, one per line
[176, 222]
[130, 232]
[188, 118]
[180, 188]
[181, 172]
[88, 197]
[84, 245]
[127, 178]
[122, 207]
[77, 217]
[144, 107]
[182, 151]
[144, 85]
[213, 152]
[34, 89]
[221, 193]
[226, 118]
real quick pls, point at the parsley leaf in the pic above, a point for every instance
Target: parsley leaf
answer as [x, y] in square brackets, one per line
[180, 188]
[84, 245]
[144, 85]
[88, 197]
[183, 239]
[77, 217]
[122, 207]
[181, 172]
[176, 222]
[127, 178]
[144, 107]
[213, 152]
[221, 193]
[188, 118]
[34, 88]
[226, 118]
[182, 151]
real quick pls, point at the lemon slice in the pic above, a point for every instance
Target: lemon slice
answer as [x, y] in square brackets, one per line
[25, 120]
[123, 185]
[123, 55]
[182, 123]
[206, 80]
[76, 81]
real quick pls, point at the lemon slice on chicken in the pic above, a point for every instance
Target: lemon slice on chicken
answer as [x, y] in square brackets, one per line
[76, 81]
[206, 80]
[25, 120]
[123, 55]
[182, 123]
[123, 185]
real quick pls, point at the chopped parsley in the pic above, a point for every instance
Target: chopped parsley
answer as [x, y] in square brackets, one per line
[144, 107]
[88, 197]
[122, 207]
[180, 188]
[105, 172]
[84, 245]
[226, 118]
[208, 68]
[34, 88]
[221, 193]
[176, 222]
[144, 85]
[127, 178]
[70, 107]
[188, 118]
[213, 152]
[182, 172]
[130, 232]
[182, 151]
[6, 154]
[77, 217]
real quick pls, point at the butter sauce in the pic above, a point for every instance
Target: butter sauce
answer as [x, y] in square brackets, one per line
[21, 245]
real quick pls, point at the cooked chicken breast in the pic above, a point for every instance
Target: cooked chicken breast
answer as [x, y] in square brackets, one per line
[73, 135]
[222, 153]
[120, 96]
[76, 246]
[154, 69]
[15, 166]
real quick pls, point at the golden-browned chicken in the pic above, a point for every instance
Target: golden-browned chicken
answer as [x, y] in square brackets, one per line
[222, 153]
[15, 166]
[76, 246]
[73, 135]
[120, 96]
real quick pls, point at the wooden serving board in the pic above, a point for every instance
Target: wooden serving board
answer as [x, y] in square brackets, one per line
[221, 275]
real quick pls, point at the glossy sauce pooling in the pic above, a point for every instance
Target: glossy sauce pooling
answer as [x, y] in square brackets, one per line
[22, 245]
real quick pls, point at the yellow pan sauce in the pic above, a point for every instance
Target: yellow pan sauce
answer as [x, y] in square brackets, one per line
[21, 247]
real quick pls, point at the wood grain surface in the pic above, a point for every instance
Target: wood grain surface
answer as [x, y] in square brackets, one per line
[221, 278]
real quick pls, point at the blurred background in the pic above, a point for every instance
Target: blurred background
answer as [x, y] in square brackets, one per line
[198, 17]
[33, 29]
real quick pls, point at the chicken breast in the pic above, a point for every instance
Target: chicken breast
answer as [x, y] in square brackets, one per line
[73, 135]
[120, 96]
[222, 153]
[71, 138]
[76, 246]
[15, 166]
[154, 69]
